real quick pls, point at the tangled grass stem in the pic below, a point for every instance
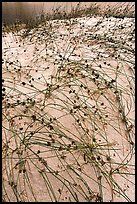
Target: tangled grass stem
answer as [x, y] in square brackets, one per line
[68, 109]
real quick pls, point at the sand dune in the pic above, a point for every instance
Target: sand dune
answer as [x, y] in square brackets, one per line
[68, 111]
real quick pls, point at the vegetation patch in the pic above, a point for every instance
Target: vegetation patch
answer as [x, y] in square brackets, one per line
[68, 88]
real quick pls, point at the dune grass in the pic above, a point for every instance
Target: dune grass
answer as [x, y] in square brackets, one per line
[68, 108]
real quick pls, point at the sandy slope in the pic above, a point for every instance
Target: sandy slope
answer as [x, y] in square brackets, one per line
[62, 75]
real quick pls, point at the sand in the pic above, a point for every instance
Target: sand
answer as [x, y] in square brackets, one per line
[70, 135]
